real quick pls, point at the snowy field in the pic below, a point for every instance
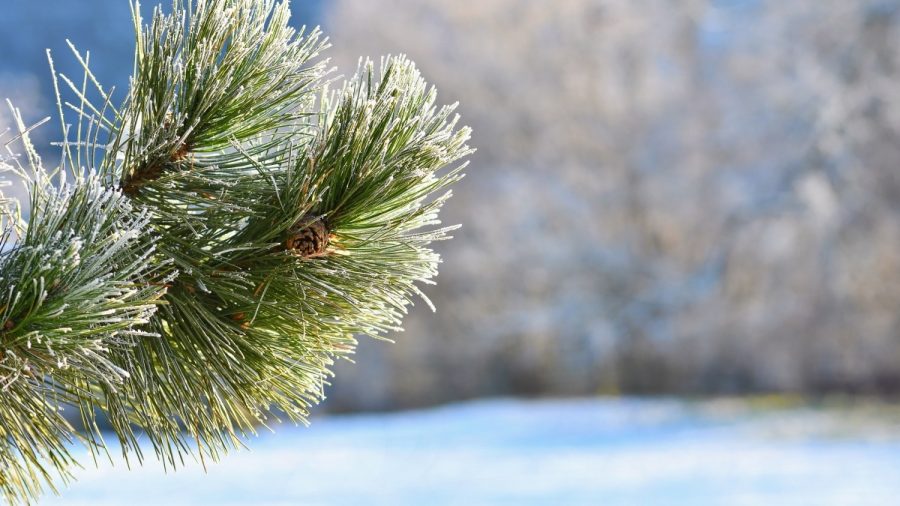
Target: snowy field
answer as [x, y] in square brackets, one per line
[547, 452]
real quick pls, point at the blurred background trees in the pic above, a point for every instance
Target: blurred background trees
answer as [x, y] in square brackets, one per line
[699, 196]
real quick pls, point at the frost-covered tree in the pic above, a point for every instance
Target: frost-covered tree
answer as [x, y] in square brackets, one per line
[211, 243]
[695, 196]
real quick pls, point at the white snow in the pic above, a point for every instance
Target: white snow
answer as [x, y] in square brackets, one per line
[599, 451]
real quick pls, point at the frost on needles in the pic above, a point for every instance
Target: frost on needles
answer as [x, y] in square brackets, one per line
[210, 244]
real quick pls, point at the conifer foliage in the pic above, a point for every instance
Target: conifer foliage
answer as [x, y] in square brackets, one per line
[213, 241]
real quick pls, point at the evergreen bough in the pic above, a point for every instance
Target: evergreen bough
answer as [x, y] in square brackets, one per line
[210, 245]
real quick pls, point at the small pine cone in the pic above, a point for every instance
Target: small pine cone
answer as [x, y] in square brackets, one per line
[308, 237]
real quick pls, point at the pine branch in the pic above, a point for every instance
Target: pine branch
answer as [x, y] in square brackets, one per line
[243, 228]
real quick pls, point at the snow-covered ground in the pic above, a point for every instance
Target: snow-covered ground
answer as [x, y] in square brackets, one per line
[547, 452]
